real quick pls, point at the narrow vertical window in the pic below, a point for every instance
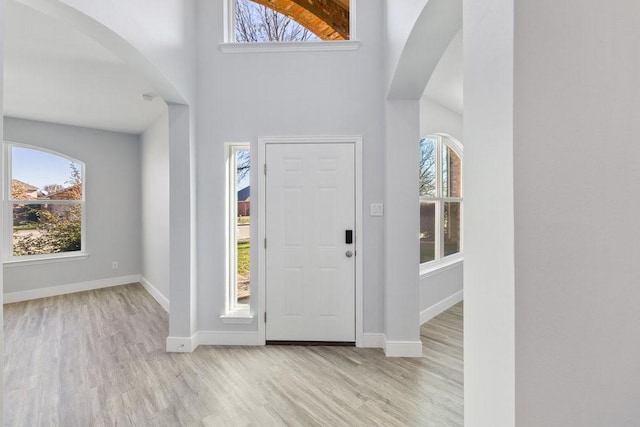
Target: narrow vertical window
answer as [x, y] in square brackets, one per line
[239, 208]
[440, 197]
[44, 200]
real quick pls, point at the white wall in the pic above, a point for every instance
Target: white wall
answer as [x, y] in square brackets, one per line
[402, 244]
[489, 334]
[154, 158]
[1, 210]
[576, 151]
[112, 162]
[163, 32]
[434, 118]
[400, 18]
[417, 33]
[182, 233]
[439, 290]
[246, 95]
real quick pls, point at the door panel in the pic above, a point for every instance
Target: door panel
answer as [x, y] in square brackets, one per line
[310, 282]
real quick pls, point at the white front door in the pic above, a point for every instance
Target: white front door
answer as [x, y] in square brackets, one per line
[310, 266]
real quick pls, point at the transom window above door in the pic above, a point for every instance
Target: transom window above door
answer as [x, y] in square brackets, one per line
[289, 20]
[440, 186]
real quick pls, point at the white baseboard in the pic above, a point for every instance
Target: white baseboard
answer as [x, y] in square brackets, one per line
[155, 293]
[69, 289]
[403, 348]
[440, 307]
[228, 338]
[189, 344]
[181, 344]
[372, 340]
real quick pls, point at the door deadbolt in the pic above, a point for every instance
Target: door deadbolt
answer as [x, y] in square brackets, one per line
[349, 254]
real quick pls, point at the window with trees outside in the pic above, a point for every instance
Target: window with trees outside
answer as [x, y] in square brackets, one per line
[289, 20]
[239, 214]
[440, 197]
[44, 204]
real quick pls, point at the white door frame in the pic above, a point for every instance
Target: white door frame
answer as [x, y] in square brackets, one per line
[262, 150]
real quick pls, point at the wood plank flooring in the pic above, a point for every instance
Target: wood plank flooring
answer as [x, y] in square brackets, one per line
[97, 358]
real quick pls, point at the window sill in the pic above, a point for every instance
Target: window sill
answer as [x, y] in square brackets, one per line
[45, 260]
[338, 45]
[237, 317]
[434, 267]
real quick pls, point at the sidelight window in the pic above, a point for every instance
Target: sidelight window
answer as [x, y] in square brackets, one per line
[239, 225]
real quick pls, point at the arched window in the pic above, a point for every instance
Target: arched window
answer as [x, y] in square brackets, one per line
[440, 197]
[43, 202]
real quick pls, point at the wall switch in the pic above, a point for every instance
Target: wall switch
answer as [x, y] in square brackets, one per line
[376, 209]
[114, 265]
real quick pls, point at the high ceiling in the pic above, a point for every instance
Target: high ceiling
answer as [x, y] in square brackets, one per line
[56, 74]
[446, 84]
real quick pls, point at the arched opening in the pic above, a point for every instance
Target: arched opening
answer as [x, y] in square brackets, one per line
[74, 87]
[410, 114]
[174, 126]
[489, 217]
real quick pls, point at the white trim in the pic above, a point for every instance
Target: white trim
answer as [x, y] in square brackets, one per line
[260, 160]
[237, 318]
[403, 348]
[155, 293]
[229, 24]
[432, 268]
[353, 36]
[372, 340]
[440, 307]
[231, 248]
[8, 202]
[443, 141]
[228, 338]
[189, 344]
[181, 344]
[359, 173]
[69, 289]
[269, 47]
[45, 259]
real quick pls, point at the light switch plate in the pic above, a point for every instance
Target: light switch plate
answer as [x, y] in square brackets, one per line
[376, 209]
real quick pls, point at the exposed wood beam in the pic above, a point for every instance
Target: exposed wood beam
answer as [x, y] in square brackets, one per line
[328, 19]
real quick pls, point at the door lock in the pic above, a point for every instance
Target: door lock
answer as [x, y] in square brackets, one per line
[348, 237]
[349, 254]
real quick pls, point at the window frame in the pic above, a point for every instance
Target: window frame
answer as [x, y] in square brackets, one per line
[8, 202]
[230, 45]
[233, 309]
[444, 141]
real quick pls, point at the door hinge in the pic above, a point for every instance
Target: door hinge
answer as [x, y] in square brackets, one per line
[265, 317]
[265, 168]
[265, 243]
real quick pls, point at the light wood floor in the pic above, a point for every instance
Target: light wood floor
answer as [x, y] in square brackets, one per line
[97, 359]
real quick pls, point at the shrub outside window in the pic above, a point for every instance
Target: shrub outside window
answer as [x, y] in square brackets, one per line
[44, 204]
[440, 197]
